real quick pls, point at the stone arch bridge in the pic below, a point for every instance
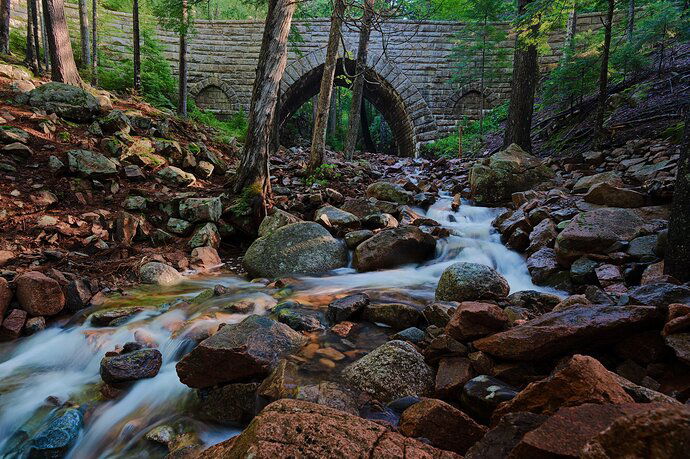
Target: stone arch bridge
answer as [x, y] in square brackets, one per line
[408, 71]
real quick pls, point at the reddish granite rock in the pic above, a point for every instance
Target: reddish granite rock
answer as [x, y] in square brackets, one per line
[39, 295]
[473, 320]
[444, 426]
[559, 331]
[500, 441]
[5, 296]
[391, 248]
[295, 428]
[662, 432]
[582, 380]
[452, 374]
[12, 326]
[565, 433]
[678, 319]
[239, 352]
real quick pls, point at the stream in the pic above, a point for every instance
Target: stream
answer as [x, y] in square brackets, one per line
[59, 366]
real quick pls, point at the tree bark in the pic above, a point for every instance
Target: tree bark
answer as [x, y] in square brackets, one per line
[31, 50]
[94, 42]
[137, 46]
[677, 258]
[253, 179]
[332, 115]
[369, 144]
[630, 29]
[62, 65]
[358, 84]
[523, 87]
[318, 141]
[604, 75]
[44, 36]
[571, 31]
[5, 26]
[84, 34]
[34, 25]
[182, 89]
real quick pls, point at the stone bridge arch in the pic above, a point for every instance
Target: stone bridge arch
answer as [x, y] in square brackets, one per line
[387, 88]
[466, 101]
[214, 95]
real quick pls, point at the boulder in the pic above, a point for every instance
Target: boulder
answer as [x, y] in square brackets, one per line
[330, 394]
[232, 404]
[680, 344]
[494, 179]
[11, 327]
[543, 235]
[565, 433]
[439, 313]
[239, 352]
[304, 248]
[391, 371]
[277, 219]
[473, 320]
[5, 296]
[131, 366]
[500, 441]
[78, 293]
[543, 266]
[661, 432]
[471, 281]
[105, 317]
[444, 426]
[361, 207]
[585, 183]
[387, 191]
[581, 380]
[607, 194]
[595, 232]
[197, 210]
[57, 438]
[561, 331]
[297, 317]
[354, 238]
[205, 258]
[336, 219]
[296, 428]
[394, 247]
[205, 235]
[660, 294]
[159, 274]
[346, 307]
[90, 163]
[178, 226]
[481, 395]
[453, 373]
[66, 101]
[174, 176]
[39, 295]
[396, 315]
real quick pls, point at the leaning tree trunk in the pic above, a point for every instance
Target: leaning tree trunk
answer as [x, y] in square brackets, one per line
[62, 65]
[318, 140]
[94, 43]
[253, 179]
[182, 88]
[604, 75]
[358, 84]
[84, 34]
[5, 26]
[630, 28]
[31, 50]
[677, 257]
[570, 32]
[137, 46]
[523, 87]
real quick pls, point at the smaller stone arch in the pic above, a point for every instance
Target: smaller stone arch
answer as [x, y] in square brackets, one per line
[214, 95]
[466, 101]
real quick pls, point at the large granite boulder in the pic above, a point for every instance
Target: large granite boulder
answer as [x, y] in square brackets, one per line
[305, 248]
[239, 352]
[131, 366]
[90, 163]
[391, 192]
[391, 371]
[296, 428]
[471, 281]
[276, 219]
[573, 328]
[66, 101]
[39, 295]
[391, 248]
[494, 179]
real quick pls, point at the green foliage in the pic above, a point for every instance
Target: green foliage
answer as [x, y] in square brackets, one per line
[234, 127]
[323, 174]
[158, 86]
[242, 204]
[18, 42]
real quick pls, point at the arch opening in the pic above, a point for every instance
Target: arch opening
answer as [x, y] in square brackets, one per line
[377, 91]
[214, 95]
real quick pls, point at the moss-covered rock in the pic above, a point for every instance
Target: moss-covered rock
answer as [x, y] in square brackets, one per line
[66, 101]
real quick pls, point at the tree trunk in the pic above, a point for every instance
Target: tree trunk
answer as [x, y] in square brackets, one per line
[318, 141]
[677, 258]
[571, 31]
[481, 81]
[44, 36]
[253, 179]
[137, 46]
[332, 114]
[62, 65]
[369, 144]
[182, 89]
[629, 30]
[94, 42]
[84, 34]
[31, 50]
[604, 75]
[523, 87]
[358, 84]
[34, 25]
[5, 26]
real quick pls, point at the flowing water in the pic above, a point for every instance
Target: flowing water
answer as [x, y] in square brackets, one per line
[40, 374]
